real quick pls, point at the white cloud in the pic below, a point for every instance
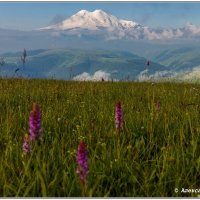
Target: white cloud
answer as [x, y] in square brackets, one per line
[143, 75]
[151, 35]
[97, 76]
[178, 33]
[158, 75]
[168, 34]
[194, 74]
[165, 34]
[193, 29]
[163, 74]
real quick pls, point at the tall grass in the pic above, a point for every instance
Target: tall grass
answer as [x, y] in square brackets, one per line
[155, 152]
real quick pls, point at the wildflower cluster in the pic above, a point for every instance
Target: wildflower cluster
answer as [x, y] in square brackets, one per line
[35, 123]
[34, 128]
[35, 132]
[118, 115]
[82, 161]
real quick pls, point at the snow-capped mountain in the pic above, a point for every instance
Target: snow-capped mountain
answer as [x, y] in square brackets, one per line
[99, 29]
[98, 23]
[110, 27]
[95, 20]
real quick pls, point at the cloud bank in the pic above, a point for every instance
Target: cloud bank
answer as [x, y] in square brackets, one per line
[97, 76]
[158, 75]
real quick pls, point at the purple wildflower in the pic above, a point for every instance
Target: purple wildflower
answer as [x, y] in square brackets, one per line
[82, 161]
[26, 146]
[35, 123]
[118, 115]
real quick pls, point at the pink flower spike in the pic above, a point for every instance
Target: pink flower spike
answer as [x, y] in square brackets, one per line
[35, 129]
[118, 115]
[82, 161]
[26, 146]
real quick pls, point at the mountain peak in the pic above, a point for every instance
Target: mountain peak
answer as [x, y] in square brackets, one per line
[98, 11]
[92, 21]
[83, 11]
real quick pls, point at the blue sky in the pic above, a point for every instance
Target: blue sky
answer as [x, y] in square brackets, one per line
[33, 15]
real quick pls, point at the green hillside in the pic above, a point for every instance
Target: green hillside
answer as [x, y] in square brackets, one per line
[66, 63]
[179, 59]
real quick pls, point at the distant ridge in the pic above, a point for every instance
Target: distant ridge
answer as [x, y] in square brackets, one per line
[70, 63]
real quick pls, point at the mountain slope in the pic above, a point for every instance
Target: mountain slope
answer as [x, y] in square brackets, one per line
[68, 63]
[180, 59]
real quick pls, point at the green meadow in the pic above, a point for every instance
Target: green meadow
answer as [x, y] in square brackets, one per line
[156, 154]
